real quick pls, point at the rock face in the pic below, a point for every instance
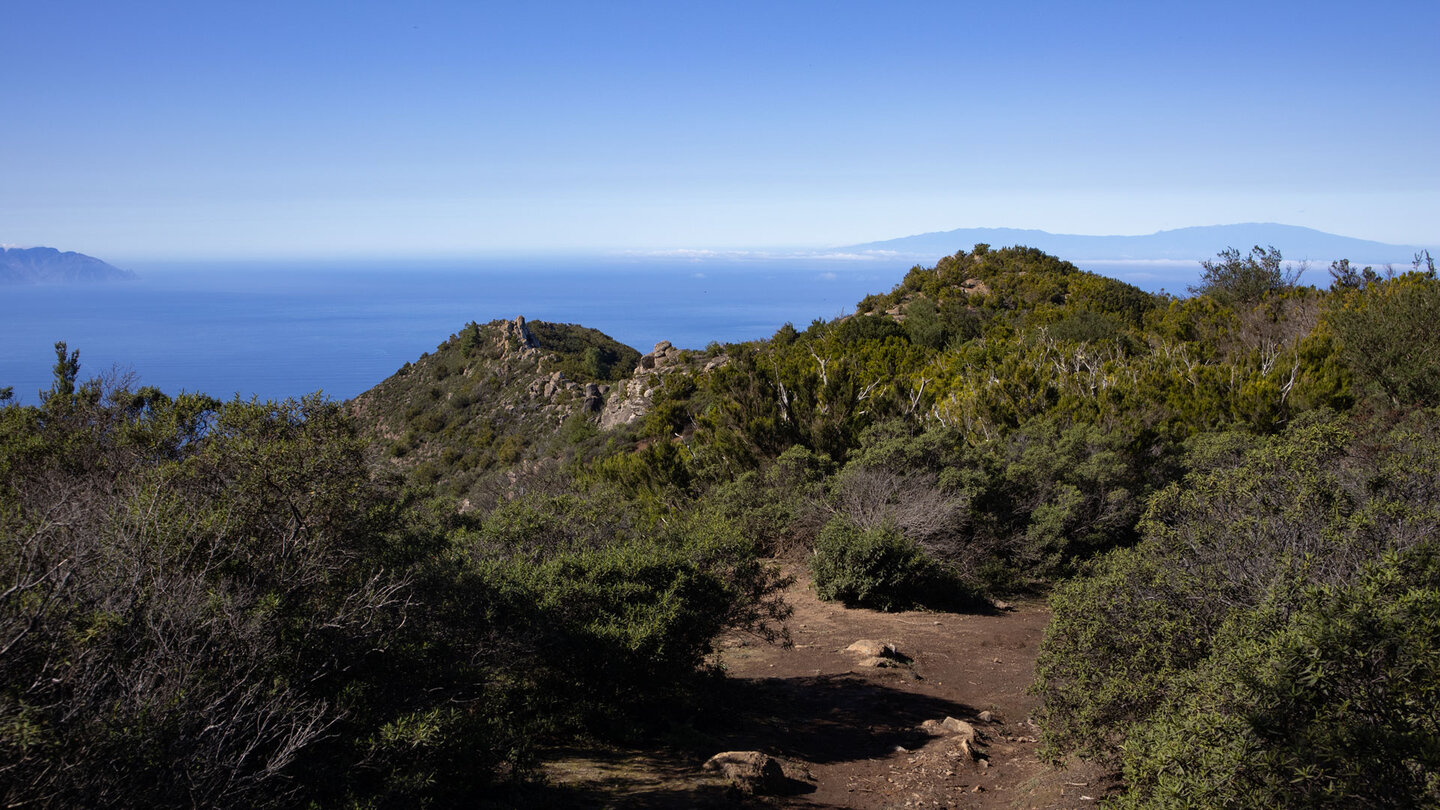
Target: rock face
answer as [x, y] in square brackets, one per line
[515, 333]
[750, 771]
[44, 265]
[594, 400]
[633, 401]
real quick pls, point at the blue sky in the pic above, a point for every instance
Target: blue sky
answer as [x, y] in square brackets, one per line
[234, 129]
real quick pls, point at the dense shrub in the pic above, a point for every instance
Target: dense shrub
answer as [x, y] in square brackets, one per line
[1237, 279]
[1271, 639]
[197, 589]
[224, 605]
[877, 568]
[1324, 697]
[1389, 339]
[781, 508]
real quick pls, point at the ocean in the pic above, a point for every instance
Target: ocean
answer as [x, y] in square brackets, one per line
[284, 329]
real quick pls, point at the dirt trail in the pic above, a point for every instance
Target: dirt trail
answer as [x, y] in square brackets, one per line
[849, 735]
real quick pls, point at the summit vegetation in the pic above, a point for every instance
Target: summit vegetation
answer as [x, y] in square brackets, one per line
[535, 535]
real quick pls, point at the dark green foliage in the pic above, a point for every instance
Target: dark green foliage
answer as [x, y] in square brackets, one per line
[877, 568]
[616, 612]
[782, 507]
[1257, 647]
[585, 354]
[1345, 276]
[1241, 280]
[1085, 327]
[923, 324]
[669, 414]
[470, 339]
[1005, 514]
[1321, 698]
[860, 329]
[187, 633]
[67, 368]
[1389, 340]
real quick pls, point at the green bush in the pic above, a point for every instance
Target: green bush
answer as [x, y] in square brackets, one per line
[874, 568]
[1272, 640]
[1327, 701]
[1389, 340]
[614, 615]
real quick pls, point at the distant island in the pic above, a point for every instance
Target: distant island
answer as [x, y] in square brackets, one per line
[46, 265]
[1192, 244]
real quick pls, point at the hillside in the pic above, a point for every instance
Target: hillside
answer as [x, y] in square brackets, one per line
[999, 425]
[1202, 530]
[492, 400]
[44, 265]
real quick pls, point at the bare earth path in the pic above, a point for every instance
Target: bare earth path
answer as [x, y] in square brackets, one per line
[849, 735]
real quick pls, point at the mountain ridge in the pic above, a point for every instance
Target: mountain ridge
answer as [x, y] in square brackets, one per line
[1192, 243]
[47, 265]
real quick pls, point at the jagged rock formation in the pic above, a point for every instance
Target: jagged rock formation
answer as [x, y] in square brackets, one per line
[632, 402]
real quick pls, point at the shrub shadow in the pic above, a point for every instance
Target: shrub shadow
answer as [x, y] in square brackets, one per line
[823, 718]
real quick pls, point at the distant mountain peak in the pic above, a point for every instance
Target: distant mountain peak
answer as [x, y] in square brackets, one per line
[47, 265]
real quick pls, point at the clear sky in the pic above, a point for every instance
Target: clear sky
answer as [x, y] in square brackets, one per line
[224, 128]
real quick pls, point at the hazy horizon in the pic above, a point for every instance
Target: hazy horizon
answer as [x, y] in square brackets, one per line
[853, 252]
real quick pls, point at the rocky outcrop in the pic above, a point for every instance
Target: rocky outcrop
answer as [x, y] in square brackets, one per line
[515, 337]
[594, 400]
[632, 402]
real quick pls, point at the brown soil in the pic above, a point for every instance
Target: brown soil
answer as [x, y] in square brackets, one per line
[850, 735]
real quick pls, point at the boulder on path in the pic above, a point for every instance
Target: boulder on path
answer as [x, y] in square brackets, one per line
[966, 738]
[869, 648]
[750, 771]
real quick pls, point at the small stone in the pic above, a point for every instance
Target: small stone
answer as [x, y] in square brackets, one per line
[987, 717]
[878, 663]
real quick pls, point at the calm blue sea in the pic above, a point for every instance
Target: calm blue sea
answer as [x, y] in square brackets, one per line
[276, 330]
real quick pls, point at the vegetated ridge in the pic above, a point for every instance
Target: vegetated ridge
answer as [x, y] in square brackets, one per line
[534, 542]
[45, 265]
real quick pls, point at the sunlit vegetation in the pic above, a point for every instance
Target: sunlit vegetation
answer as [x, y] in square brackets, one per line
[1230, 499]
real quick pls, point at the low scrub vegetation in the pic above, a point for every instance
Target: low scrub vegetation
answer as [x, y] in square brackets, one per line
[1230, 499]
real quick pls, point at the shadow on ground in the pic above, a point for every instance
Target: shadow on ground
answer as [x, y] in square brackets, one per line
[819, 720]
[825, 718]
